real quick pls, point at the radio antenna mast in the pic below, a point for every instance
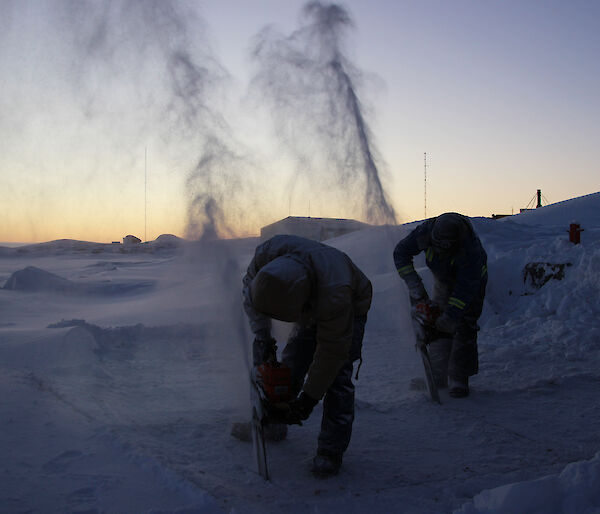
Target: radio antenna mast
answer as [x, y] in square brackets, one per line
[145, 190]
[425, 181]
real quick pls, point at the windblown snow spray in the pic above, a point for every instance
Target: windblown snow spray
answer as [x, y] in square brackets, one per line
[311, 87]
[154, 59]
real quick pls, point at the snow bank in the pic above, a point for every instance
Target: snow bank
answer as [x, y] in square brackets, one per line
[554, 325]
[32, 279]
[575, 490]
[64, 246]
[582, 209]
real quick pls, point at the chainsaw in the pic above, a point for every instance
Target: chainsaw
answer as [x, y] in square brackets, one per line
[425, 314]
[270, 386]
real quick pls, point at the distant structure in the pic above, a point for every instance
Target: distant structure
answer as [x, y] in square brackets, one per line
[131, 240]
[318, 229]
[536, 198]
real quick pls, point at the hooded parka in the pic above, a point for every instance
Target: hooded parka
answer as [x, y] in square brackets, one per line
[295, 279]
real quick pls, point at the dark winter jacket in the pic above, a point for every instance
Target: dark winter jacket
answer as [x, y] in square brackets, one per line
[338, 291]
[464, 270]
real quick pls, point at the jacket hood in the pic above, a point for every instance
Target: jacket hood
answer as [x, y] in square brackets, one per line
[281, 289]
[448, 231]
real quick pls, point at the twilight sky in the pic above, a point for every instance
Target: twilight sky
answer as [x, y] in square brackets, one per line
[244, 120]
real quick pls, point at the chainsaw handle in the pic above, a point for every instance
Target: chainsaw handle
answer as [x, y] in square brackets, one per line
[427, 311]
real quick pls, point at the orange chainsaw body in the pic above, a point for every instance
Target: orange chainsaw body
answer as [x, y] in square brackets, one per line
[276, 381]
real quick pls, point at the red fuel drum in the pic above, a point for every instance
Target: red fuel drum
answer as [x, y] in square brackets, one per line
[276, 380]
[575, 231]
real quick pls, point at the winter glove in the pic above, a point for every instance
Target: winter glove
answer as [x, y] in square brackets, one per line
[446, 324]
[299, 409]
[416, 290]
[264, 348]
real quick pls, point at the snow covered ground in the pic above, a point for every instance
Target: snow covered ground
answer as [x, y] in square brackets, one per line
[122, 369]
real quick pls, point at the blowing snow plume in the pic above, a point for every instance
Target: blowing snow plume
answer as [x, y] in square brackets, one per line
[151, 61]
[311, 87]
[155, 54]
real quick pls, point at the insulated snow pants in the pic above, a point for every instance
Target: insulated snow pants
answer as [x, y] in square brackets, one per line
[457, 357]
[338, 402]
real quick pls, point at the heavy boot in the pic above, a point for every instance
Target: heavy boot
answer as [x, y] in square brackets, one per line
[459, 387]
[326, 464]
[463, 363]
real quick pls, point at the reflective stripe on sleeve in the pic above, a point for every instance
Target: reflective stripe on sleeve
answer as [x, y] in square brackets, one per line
[405, 270]
[455, 302]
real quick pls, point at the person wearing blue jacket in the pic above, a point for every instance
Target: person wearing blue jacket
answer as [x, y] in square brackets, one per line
[458, 262]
